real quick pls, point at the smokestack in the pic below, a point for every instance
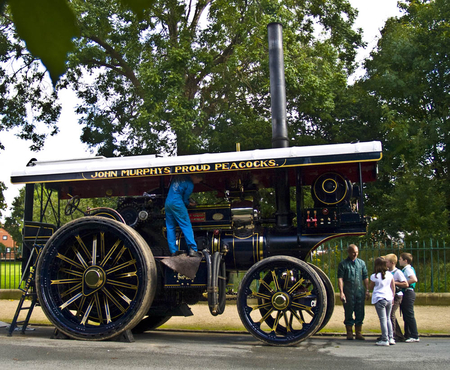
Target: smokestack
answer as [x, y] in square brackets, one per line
[279, 125]
[277, 86]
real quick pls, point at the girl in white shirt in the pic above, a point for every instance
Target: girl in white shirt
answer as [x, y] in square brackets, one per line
[383, 287]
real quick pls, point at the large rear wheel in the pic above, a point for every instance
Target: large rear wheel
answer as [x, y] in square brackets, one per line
[95, 278]
[281, 301]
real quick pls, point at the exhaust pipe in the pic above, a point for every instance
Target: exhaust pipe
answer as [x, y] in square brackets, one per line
[279, 125]
[277, 86]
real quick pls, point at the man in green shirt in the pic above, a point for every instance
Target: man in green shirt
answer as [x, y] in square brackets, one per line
[353, 281]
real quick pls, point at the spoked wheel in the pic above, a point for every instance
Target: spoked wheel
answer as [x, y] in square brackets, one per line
[330, 295]
[281, 301]
[95, 278]
[150, 323]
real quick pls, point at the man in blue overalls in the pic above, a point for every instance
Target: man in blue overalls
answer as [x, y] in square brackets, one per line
[177, 214]
[353, 281]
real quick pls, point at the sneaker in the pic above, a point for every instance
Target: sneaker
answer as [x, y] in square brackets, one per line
[412, 340]
[391, 341]
[382, 343]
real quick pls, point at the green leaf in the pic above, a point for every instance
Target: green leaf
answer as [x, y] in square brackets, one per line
[138, 6]
[47, 27]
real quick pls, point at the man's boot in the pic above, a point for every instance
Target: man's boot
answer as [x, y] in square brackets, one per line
[358, 332]
[349, 332]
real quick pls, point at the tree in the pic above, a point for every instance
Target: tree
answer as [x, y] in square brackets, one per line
[2, 198]
[193, 76]
[408, 75]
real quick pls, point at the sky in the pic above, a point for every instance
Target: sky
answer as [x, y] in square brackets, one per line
[67, 145]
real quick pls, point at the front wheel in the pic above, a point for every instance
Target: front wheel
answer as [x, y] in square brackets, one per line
[281, 301]
[95, 278]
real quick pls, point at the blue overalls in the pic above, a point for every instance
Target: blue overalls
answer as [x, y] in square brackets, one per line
[177, 214]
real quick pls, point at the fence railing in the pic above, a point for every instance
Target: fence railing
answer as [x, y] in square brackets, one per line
[431, 260]
[10, 271]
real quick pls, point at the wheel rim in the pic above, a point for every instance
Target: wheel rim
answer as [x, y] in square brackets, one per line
[281, 301]
[330, 295]
[95, 278]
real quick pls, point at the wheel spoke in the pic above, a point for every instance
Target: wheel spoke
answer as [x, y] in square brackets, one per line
[301, 306]
[286, 281]
[267, 286]
[71, 300]
[94, 250]
[120, 267]
[277, 320]
[113, 300]
[80, 257]
[88, 311]
[275, 281]
[268, 313]
[260, 295]
[107, 311]
[110, 253]
[296, 285]
[287, 323]
[69, 261]
[83, 247]
[102, 246]
[122, 295]
[99, 308]
[71, 272]
[126, 275]
[65, 281]
[71, 290]
[262, 306]
[119, 255]
[122, 284]
[294, 314]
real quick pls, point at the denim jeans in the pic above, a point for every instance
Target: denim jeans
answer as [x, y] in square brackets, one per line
[384, 307]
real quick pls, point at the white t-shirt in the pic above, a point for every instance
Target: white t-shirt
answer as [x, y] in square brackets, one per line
[398, 276]
[382, 288]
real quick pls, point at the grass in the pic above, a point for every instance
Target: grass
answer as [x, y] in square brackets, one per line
[10, 274]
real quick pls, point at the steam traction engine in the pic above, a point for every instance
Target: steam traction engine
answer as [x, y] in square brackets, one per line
[109, 271]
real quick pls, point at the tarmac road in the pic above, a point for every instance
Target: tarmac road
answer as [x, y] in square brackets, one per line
[195, 350]
[430, 319]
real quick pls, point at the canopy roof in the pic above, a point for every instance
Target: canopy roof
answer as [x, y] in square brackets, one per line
[100, 176]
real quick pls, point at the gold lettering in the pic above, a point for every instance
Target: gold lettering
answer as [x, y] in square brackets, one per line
[234, 166]
[242, 165]
[166, 169]
[218, 166]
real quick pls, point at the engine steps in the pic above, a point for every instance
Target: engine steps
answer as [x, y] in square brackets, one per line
[28, 291]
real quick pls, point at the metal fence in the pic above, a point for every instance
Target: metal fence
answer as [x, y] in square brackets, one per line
[10, 270]
[431, 260]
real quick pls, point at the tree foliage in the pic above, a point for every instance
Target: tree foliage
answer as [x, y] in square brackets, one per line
[409, 77]
[190, 77]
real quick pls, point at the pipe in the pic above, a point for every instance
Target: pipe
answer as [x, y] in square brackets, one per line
[277, 86]
[279, 125]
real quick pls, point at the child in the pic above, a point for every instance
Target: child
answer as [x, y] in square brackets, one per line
[400, 283]
[383, 287]
[409, 296]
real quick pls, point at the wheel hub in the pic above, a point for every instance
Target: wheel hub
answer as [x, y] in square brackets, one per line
[280, 301]
[94, 277]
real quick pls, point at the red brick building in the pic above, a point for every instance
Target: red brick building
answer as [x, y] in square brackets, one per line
[8, 242]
